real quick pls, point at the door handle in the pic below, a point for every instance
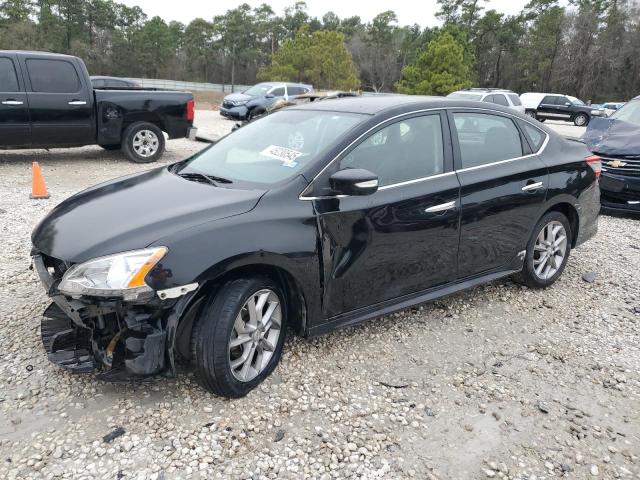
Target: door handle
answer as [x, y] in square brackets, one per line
[442, 207]
[12, 102]
[532, 186]
[77, 102]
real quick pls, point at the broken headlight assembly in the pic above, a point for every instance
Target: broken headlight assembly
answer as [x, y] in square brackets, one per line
[119, 275]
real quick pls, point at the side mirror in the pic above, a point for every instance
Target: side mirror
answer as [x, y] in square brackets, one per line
[269, 95]
[567, 104]
[354, 181]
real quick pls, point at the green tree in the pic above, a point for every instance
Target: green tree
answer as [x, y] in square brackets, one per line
[439, 70]
[319, 58]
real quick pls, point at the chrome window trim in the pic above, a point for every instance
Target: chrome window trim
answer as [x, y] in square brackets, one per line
[454, 171]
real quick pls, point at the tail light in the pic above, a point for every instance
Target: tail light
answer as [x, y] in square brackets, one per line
[191, 106]
[595, 162]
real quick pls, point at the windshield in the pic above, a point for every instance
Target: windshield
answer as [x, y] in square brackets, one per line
[465, 96]
[258, 90]
[272, 149]
[575, 101]
[629, 112]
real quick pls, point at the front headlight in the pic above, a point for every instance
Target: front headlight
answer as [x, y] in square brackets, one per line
[115, 275]
[596, 112]
[237, 103]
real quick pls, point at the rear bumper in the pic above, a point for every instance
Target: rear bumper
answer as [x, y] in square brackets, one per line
[120, 339]
[192, 133]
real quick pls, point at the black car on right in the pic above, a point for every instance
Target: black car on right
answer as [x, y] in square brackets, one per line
[616, 140]
[554, 106]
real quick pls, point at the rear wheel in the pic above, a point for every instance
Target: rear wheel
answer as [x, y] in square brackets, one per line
[547, 251]
[238, 339]
[581, 120]
[143, 142]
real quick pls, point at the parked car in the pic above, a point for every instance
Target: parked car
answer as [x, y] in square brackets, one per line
[611, 107]
[315, 217]
[112, 82]
[617, 140]
[257, 100]
[47, 101]
[553, 106]
[499, 96]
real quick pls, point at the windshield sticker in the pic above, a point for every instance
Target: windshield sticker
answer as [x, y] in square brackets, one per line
[284, 154]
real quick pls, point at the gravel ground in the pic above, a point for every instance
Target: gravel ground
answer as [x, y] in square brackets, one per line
[500, 381]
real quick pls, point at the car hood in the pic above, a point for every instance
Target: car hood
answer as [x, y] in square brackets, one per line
[234, 97]
[132, 212]
[609, 136]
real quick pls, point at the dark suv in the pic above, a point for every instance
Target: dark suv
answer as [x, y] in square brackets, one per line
[552, 106]
[256, 100]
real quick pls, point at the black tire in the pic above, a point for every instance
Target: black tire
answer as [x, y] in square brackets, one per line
[531, 113]
[541, 120]
[111, 147]
[581, 120]
[212, 333]
[130, 135]
[528, 275]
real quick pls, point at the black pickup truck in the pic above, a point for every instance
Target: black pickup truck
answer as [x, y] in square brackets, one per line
[47, 101]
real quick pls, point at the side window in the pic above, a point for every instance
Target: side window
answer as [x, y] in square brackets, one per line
[98, 83]
[562, 100]
[278, 92]
[549, 100]
[8, 76]
[500, 99]
[515, 99]
[405, 150]
[488, 99]
[295, 90]
[486, 138]
[53, 76]
[535, 136]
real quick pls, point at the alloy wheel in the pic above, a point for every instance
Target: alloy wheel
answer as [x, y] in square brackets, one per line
[255, 335]
[145, 143]
[549, 250]
[580, 120]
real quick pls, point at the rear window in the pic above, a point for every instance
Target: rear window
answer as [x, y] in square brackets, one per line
[53, 76]
[515, 99]
[8, 77]
[465, 96]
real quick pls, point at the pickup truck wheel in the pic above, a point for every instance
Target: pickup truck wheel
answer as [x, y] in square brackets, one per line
[143, 142]
[237, 341]
[581, 120]
[547, 251]
[111, 147]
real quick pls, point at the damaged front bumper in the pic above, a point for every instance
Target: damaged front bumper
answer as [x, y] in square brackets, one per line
[122, 340]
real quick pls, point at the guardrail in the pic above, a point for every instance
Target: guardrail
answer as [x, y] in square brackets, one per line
[188, 86]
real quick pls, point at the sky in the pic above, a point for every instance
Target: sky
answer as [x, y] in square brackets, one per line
[409, 12]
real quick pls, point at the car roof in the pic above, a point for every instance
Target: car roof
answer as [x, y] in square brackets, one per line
[35, 52]
[374, 105]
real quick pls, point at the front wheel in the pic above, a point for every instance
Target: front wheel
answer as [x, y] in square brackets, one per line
[530, 113]
[547, 251]
[239, 336]
[581, 120]
[143, 142]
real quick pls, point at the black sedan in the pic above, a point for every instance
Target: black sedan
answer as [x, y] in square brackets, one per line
[315, 217]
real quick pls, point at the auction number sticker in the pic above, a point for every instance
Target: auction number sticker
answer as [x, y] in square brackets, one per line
[286, 155]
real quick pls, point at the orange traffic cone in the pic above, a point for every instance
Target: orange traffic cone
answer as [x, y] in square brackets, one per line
[38, 187]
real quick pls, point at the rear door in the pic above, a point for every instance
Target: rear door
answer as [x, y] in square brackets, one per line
[15, 129]
[60, 101]
[502, 189]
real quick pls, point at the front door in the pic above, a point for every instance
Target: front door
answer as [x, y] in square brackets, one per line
[402, 239]
[503, 186]
[60, 102]
[15, 130]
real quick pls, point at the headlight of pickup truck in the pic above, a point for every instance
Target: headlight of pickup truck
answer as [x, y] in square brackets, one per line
[120, 275]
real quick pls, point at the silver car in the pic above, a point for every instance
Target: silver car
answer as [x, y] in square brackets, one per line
[499, 96]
